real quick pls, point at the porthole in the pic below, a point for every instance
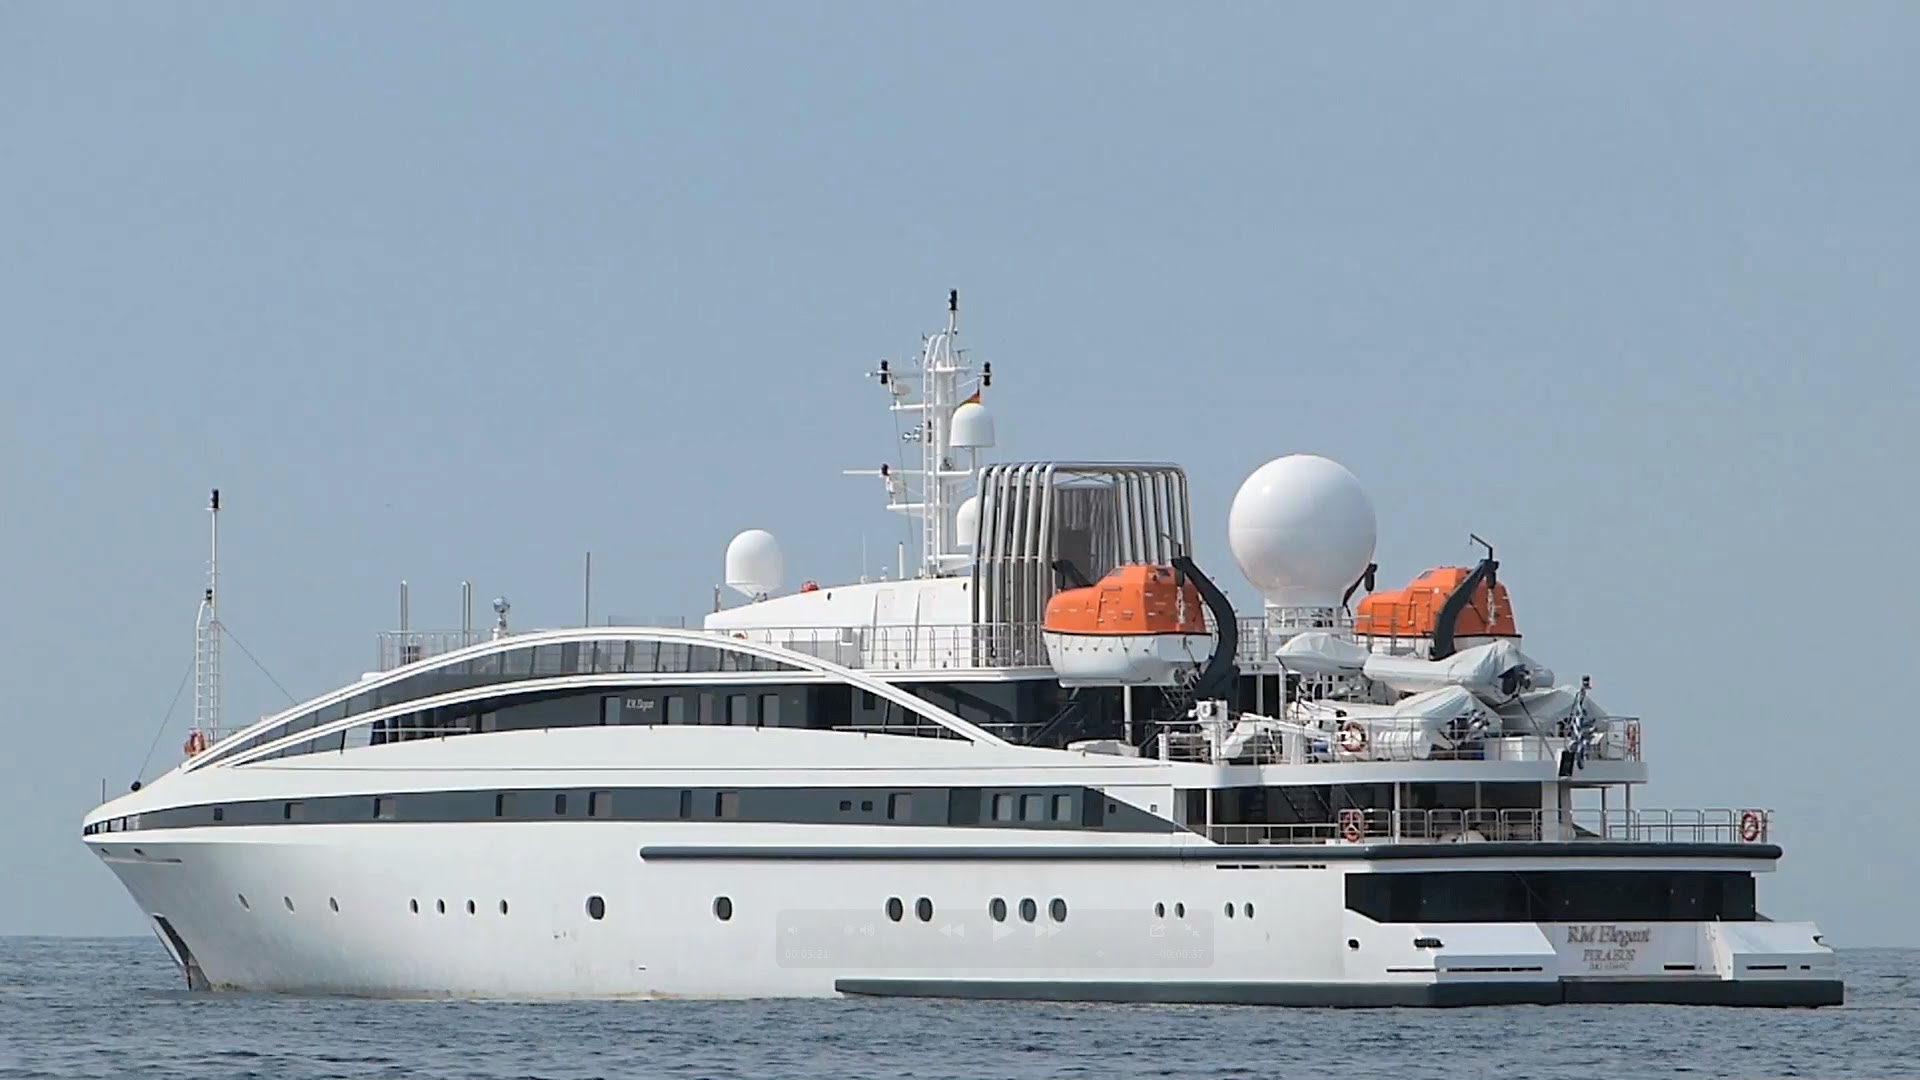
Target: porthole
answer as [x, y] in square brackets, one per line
[895, 909]
[413, 906]
[243, 902]
[722, 908]
[1247, 910]
[1159, 911]
[1029, 910]
[1353, 943]
[334, 903]
[1058, 909]
[440, 906]
[1229, 909]
[140, 853]
[503, 907]
[472, 908]
[1179, 911]
[923, 907]
[596, 908]
[998, 909]
[287, 900]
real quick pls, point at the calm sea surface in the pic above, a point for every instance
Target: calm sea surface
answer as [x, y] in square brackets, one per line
[115, 1008]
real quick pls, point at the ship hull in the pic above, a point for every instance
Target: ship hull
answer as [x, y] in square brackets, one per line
[508, 910]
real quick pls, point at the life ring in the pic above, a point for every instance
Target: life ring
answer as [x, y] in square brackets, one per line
[1751, 827]
[1353, 737]
[1351, 826]
[196, 743]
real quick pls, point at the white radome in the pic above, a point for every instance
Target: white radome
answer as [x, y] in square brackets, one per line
[966, 522]
[1302, 530]
[972, 426]
[755, 566]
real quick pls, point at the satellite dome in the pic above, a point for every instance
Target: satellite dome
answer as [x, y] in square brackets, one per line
[966, 522]
[755, 566]
[972, 426]
[1302, 531]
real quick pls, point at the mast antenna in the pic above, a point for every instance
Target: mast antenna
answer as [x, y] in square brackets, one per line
[932, 393]
[207, 632]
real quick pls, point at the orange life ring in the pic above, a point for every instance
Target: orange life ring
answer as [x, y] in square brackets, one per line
[1351, 829]
[1353, 737]
[1751, 827]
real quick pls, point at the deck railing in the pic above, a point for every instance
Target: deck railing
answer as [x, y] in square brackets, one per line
[1620, 740]
[1667, 826]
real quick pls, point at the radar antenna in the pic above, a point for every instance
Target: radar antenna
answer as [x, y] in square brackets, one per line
[930, 392]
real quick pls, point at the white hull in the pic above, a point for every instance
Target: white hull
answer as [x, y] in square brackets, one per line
[804, 928]
[1110, 659]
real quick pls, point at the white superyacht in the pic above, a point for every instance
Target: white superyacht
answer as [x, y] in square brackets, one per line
[1045, 760]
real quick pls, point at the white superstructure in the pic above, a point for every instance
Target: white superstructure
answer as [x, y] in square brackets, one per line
[1044, 760]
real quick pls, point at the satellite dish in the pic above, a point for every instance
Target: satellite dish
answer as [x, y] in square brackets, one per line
[1302, 530]
[966, 522]
[972, 427]
[755, 566]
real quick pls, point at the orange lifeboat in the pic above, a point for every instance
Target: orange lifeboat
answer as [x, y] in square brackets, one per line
[1139, 624]
[1414, 612]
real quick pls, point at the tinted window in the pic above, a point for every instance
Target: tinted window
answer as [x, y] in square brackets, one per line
[1553, 896]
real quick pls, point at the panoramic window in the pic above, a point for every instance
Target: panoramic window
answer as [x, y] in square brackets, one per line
[385, 807]
[1553, 896]
[726, 804]
[900, 807]
[600, 804]
[1003, 808]
[1063, 808]
[1033, 808]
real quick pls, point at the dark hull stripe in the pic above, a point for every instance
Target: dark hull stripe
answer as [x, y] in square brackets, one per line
[1752, 993]
[1268, 853]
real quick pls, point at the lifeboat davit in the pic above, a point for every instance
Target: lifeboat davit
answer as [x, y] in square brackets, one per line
[1451, 605]
[1139, 624]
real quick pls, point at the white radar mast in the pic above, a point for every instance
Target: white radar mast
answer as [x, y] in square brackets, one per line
[952, 432]
[206, 639]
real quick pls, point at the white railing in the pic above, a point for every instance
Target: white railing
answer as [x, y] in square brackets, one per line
[399, 648]
[875, 648]
[1355, 826]
[909, 648]
[1620, 740]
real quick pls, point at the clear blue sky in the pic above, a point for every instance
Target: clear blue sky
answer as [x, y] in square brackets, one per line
[445, 291]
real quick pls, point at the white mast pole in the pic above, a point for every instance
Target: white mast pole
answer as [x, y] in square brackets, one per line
[206, 655]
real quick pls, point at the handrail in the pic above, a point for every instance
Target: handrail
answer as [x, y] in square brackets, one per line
[898, 647]
[1718, 825]
[1620, 741]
